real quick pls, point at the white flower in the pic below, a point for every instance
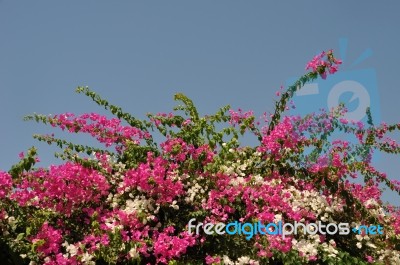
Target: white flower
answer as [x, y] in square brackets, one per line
[258, 179]
[370, 202]
[133, 253]
[243, 261]
[369, 244]
[72, 250]
[11, 220]
[227, 261]
[237, 181]
[277, 218]
[246, 260]
[306, 247]
[359, 245]
[87, 259]
[174, 205]
[243, 167]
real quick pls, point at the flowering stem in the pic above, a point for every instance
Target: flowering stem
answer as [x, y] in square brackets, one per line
[288, 94]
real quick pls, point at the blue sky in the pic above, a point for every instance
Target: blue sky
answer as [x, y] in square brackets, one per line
[138, 54]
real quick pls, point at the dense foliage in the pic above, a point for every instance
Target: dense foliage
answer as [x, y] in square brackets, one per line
[130, 202]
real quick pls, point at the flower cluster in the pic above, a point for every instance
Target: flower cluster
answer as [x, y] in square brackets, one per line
[107, 131]
[5, 184]
[63, 188]
[321, 65]
[48, 240]
[133, 206]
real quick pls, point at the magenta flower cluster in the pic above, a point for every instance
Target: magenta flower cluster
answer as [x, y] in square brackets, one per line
[324, 63]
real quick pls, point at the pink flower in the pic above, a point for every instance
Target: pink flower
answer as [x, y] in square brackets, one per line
[369, 259]
[167, 246]
[211, 260]
[321, 65]
[62, 188]
[48, 240]
[5, 184]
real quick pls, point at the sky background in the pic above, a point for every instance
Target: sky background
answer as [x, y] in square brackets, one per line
[138, 54]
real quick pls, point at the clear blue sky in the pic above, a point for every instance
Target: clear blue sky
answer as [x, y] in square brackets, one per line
[138, 54]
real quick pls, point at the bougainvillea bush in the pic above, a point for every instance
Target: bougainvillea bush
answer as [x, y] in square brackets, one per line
[131, 201]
